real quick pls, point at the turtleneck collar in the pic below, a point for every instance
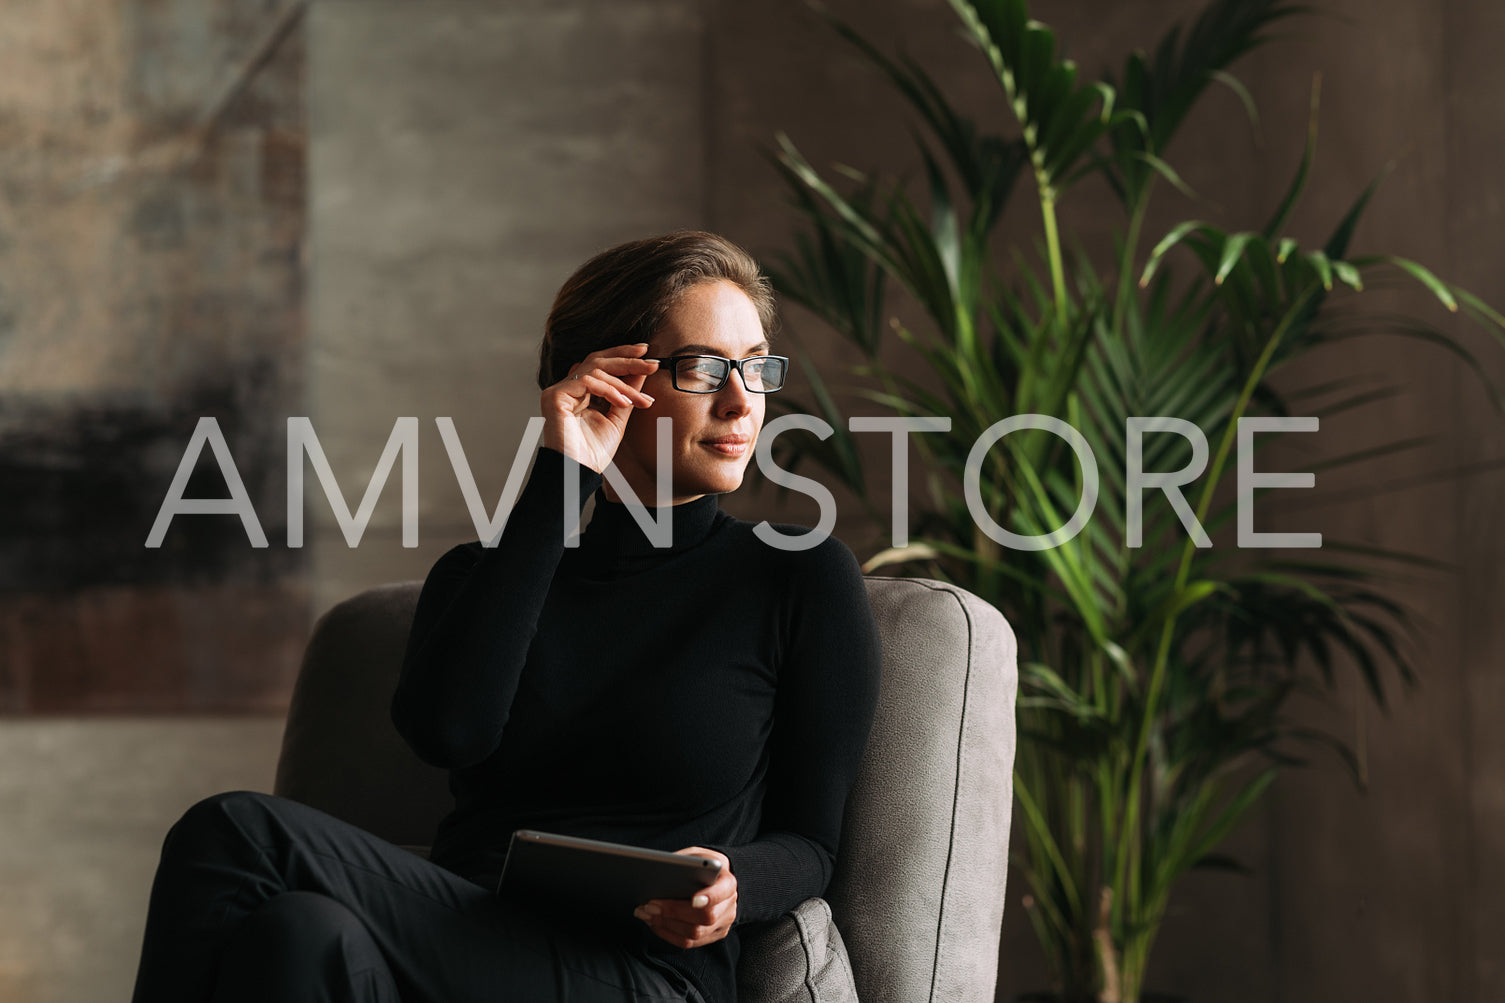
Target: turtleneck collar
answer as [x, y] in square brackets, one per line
[615, 535]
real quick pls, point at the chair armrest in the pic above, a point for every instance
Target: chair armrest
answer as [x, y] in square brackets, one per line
[797, 958]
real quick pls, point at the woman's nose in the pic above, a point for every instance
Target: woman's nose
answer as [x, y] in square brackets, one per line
[733, 399]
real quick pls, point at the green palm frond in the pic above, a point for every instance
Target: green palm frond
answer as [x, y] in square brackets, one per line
[1154, 678]
[1164, 87]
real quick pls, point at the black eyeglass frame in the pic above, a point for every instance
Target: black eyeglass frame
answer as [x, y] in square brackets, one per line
[731, 364]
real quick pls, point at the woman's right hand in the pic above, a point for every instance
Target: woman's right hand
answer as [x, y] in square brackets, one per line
[575, 425]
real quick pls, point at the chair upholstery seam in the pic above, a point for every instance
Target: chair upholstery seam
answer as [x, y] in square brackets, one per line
[807, 945]
[841, 956]
[961, 730]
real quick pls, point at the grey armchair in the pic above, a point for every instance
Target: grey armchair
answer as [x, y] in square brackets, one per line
[916, 903]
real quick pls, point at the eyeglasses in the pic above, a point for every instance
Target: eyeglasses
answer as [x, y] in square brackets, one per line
[705, 374]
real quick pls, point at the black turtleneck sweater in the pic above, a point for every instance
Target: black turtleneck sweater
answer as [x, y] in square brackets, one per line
[714, 693]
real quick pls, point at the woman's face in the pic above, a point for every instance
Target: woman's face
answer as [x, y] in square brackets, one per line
[713, 318]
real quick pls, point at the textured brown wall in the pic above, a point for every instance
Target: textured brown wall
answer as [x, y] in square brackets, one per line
[1397, 893]
[150, 274]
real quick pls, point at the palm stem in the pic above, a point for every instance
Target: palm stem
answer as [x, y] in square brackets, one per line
[1183, 571]
[1127, 271]
[1053, 250]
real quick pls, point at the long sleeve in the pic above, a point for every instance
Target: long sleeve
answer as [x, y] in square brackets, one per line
[827, 696]
[476, 617]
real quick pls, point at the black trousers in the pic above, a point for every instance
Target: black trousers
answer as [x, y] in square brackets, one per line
[259, 899]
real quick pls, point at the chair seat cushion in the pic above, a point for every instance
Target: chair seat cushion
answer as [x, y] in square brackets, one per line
[797, 958]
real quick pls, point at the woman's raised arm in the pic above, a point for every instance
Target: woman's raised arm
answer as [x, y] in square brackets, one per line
[479, 607]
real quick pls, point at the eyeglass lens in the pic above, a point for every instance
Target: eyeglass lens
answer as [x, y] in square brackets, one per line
[706, 373]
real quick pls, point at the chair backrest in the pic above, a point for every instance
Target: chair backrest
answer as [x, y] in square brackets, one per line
[918, 891]
[919, 885]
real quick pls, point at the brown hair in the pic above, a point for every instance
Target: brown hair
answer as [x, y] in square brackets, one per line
[620, 296]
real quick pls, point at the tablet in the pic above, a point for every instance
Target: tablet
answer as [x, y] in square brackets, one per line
[599, 877]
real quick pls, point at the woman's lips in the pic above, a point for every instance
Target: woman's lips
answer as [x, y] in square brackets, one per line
[728, 447]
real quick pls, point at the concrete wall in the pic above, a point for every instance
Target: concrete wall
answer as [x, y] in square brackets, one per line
[464, 158]
[84, 806]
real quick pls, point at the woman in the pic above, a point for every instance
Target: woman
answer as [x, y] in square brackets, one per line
[709, 697]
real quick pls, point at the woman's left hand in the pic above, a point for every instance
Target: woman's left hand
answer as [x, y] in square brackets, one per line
[704, 919]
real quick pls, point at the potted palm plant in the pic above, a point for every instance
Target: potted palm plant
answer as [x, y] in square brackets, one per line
[1155, 670]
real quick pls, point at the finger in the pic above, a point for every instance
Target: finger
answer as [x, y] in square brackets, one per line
[574, 396]
[626, 369]
[610, 388]
[723, 888]
[631, 372]
[684, 912]
[713, 894]
[686, 934]
[724, 885]
[675, 931]
[621, 358]
[690, 934]
[718, 891]
[710, 896]
[624, 359]
[603, 384]
[678, 914]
